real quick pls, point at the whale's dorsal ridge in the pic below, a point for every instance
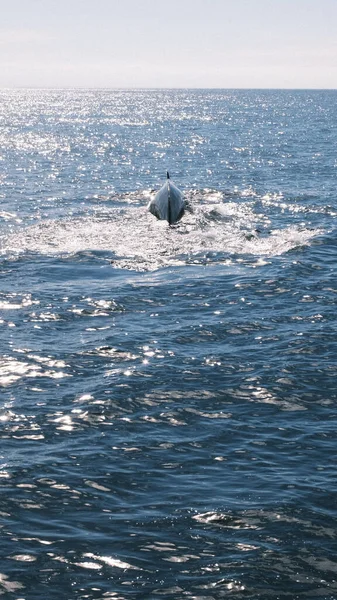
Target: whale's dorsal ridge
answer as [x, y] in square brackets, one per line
[168, 203]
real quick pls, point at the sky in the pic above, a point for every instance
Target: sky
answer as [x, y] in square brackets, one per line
[168, 44]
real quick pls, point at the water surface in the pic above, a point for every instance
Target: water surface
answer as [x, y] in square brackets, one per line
[168, 394]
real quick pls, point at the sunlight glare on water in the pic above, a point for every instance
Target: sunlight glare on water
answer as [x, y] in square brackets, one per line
[167, 412]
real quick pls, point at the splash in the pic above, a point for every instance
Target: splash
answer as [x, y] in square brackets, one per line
[215, 230]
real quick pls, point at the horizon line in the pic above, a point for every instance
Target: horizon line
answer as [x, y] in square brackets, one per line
[153, 88]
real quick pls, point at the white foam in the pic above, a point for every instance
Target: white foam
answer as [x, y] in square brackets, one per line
[130, 235]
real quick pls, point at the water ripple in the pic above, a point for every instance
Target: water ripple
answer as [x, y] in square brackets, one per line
[168, 396]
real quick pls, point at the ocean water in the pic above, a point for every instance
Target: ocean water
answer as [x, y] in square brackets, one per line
[168, 394]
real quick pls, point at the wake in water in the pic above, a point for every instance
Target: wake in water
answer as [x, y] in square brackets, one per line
[214, 230]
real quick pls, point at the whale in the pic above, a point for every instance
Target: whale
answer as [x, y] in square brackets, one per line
[168, 203]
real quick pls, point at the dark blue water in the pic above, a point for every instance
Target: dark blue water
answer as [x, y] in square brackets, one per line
[168, 394]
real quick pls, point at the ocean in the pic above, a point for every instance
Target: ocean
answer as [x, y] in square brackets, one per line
[168, 394]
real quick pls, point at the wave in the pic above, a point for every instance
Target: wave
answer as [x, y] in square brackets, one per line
[215, 229]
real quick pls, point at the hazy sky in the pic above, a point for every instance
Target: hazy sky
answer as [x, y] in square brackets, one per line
[171, 43]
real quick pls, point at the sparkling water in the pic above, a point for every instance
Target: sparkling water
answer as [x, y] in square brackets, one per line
[168, 394]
